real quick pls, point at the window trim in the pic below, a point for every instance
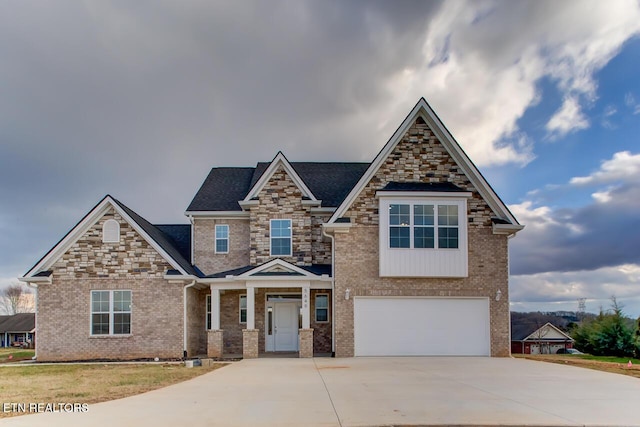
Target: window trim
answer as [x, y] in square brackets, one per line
[109, 228]
[240, 308]
[316, 308]
[436, 226]
[216, 238]
[271, 236]
[111, 313]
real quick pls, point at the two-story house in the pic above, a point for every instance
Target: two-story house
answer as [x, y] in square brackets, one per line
[406, 255]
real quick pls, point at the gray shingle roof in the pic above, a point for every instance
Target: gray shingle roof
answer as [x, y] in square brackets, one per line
[224, 187]
[21, 322]
[180, 236]
[165, 242]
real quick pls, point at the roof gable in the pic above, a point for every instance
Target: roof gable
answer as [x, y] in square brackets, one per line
[279, 161]
[531, 330]
[548, 332]
[423, 110]
[153, 236]
[277, 267]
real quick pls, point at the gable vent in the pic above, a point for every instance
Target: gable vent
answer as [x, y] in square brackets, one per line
[111, 231]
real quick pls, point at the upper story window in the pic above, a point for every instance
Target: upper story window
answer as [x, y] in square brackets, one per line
[280, 237]
[111, 231]
[222, 239]
[423, 235]
[416, 225]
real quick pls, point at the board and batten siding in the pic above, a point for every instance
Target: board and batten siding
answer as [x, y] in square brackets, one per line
[431, 262]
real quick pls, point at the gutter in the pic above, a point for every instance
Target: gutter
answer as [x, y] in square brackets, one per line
[35, 329]
[184, 319]
[333, 291]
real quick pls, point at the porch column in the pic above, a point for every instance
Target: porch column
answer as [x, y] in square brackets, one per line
[251, 308]
[306, 308]
[305, 335]
[250, 335]
[215, 336]
[215, 308]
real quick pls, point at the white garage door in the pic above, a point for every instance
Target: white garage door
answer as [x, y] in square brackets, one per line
[415, 326]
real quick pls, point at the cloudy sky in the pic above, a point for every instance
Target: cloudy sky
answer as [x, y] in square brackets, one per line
[140, 99]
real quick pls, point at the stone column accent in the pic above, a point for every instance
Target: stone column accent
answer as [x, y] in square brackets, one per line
[249, 343]
[305, 337]
[215, 343]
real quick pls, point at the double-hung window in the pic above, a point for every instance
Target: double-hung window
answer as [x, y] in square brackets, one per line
[280, 231]
[110, 312]
[243, 309]
[416, 225]
[222, 239]
[322, 307]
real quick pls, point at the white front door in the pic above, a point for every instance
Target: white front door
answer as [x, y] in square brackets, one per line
[282, 334]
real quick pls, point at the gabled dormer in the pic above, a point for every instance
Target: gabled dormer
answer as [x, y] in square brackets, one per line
[279, 205]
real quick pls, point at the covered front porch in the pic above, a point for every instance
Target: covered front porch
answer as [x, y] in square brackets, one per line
[276, 309]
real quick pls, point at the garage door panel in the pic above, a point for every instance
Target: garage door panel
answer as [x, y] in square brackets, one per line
[421, 326]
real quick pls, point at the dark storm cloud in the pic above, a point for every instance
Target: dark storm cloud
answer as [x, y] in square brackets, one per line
[140, 99]
[602, 234]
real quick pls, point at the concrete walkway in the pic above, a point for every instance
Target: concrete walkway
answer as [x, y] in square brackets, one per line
[371, 392]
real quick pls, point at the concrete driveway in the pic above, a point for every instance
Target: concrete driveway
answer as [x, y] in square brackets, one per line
[373, 391]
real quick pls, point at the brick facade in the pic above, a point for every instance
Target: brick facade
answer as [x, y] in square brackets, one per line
[419, 156]
[230, 320]
[204, 245]
[157, 328]
[131, 264]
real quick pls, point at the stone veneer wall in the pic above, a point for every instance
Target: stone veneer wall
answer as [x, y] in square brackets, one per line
[204, 245]
[419, 157]
[132, 264]
[280, 198]
[320, 245]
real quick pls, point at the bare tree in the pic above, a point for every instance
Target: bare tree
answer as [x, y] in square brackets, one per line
[540, 333]
[16, 299]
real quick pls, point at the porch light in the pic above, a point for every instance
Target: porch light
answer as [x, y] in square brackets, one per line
[498, 295]
[347, 293]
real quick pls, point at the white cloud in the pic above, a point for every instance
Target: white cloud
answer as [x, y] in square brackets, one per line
[602, 196]
[568, 118]
[482, 82]
[554, 289]
[623, 166]
[630, 101]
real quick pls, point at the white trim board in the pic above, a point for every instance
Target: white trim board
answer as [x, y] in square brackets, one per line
[278, 160]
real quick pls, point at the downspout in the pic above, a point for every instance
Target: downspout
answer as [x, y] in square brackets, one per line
[333, 292]
[184, 319]
[192, 242]
[35, 346]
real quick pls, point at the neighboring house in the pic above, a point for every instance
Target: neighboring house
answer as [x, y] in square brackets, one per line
[531, 338]
[406, 255]
[18, 330]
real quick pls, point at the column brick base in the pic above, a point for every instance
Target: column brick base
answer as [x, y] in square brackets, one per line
[249, 343]
[215, 343]
[305, 342]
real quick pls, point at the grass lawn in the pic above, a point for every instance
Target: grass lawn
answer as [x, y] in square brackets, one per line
[88, 383]
[616, 365]
[17, 353]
